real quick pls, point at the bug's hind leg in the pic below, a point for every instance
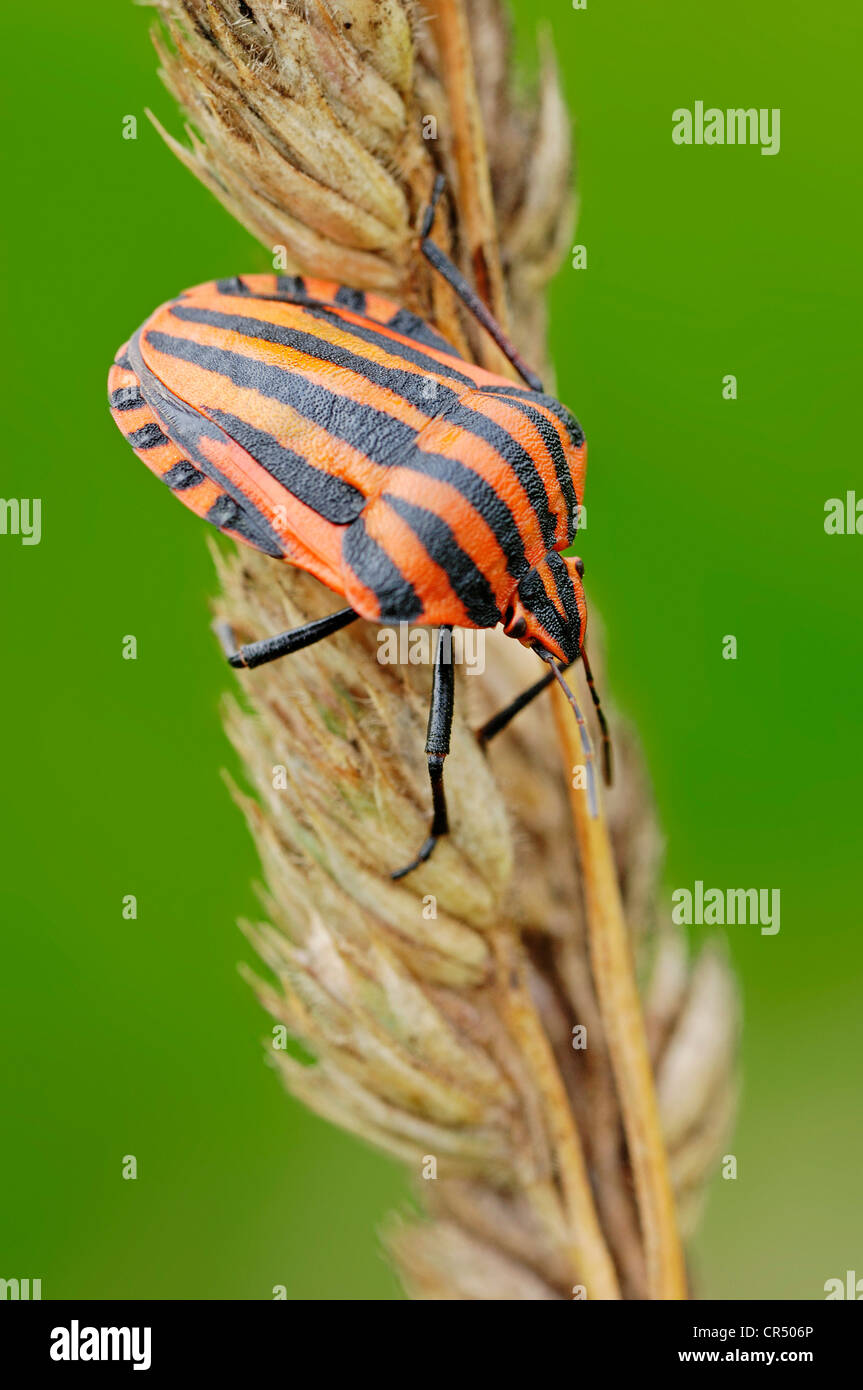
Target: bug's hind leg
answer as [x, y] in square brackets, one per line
[283, 643]
[437, 745]
[466, 293]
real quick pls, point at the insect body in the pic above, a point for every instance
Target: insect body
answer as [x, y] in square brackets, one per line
[336, 431]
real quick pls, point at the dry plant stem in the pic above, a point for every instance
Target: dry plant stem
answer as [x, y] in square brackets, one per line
[591, 1261]
[449, 1037]
[475, 198]
[614, 975]
[611, 1179]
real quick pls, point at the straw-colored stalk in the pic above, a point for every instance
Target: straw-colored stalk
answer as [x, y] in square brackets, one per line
[480, 1019]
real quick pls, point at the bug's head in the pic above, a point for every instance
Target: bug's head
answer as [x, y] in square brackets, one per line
[548, 610]
[548, 613]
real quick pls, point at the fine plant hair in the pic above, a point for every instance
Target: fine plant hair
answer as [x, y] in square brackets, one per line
[518, 1021]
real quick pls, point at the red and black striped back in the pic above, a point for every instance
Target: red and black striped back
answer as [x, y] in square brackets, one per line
[341, 433]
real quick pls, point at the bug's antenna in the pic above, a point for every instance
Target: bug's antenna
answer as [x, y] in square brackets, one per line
[429, 214]
[603, 722]
[466, 293]
[585, 740]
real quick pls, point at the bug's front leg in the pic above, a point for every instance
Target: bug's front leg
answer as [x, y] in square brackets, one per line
[499, 721]
[437, 745]
[271, 648]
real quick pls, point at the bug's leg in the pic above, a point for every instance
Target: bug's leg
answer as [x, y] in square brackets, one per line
[437, 744]
[603, 722]
[283, 643]
[468, 296]
[504, 716]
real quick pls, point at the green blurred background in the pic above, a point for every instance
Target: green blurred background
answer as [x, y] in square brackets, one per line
[705, 518]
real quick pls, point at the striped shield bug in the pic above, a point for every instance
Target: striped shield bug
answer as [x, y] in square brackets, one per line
[338, 432]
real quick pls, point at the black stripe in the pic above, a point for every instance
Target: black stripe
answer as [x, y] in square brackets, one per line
[412, 326]
[292, 288]
[147, 437]
[187, 425]
[518, 460]
[481, 496]
[380, 436]
[367, 333]
[512, 452]
[355, 300]
[330, 496]
[373, 567]
[183, 474]
[228, 515]
[565, 592]
[123, 362]
[372, 432]
[439, 541]
[405, 385]
[126, 398]
[551, 439]
[233, 286]
[412, 387]
[534, 598]
[566, 418]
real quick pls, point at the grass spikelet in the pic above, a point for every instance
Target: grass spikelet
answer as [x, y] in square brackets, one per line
[440, 1011]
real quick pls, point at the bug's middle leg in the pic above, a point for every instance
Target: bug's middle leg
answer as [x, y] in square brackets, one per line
[283, 643]
[437, 745]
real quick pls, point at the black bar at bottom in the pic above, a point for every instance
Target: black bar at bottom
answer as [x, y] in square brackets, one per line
[263, 1341]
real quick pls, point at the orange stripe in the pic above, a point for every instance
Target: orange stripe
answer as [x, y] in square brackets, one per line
[300, 529]
[310, 536]
[545, 574]
[200, 498]
[284, 312]
[206, 391]
[440, 437]
[118, 377]
[161, 457]
[131, 420]
[323, 449]
[379, 309]
[516, 424]
[432, 584]
[342, 381]
[446, 360]
[576, 457]
[471, 531]
[362, 599]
